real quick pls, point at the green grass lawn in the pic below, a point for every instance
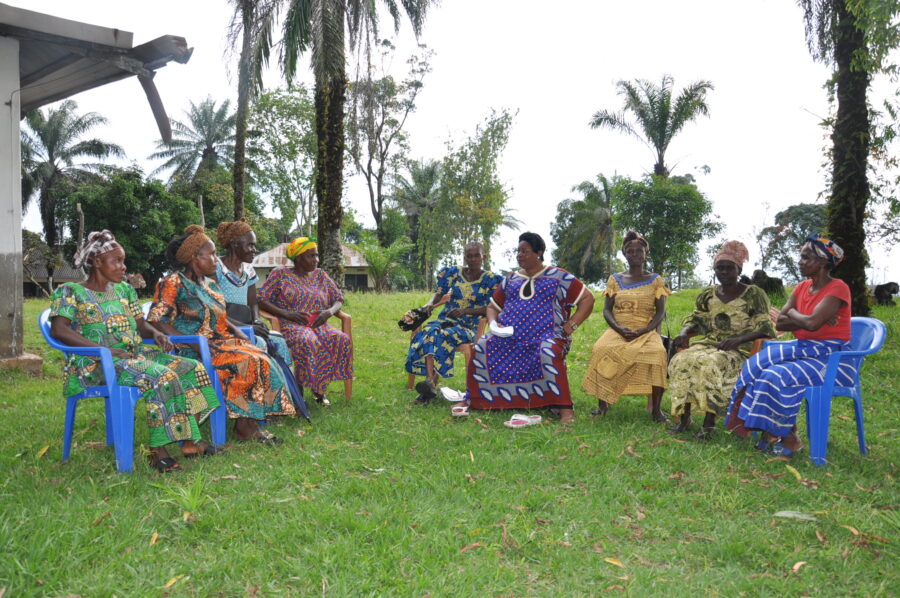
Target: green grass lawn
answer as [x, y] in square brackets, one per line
[382, 498]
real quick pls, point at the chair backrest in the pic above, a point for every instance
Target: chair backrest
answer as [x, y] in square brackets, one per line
[44, 323]
[145, 307]
[867, 334]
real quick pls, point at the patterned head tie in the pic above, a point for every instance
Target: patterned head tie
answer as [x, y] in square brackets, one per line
[634, 236]
[229, 231]
[196, 238]
[733, 251]
[826, 249]
[299, 246]
[97, 243]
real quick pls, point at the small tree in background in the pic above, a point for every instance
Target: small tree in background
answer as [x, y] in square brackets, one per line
[782, 241]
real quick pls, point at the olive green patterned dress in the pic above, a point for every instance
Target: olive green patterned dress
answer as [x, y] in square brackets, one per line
[703, 375]
[174, 388]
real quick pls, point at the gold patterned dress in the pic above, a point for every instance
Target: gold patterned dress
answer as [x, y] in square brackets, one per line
[702, 376]
[619, 367]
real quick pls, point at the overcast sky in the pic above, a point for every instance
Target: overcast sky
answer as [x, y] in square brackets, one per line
[555, 68]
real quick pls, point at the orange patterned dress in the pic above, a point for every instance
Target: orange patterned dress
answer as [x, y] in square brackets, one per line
[251, 382]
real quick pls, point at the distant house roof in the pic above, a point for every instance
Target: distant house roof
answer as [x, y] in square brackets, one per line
[275, 257]
[59, 58]
[65, 272]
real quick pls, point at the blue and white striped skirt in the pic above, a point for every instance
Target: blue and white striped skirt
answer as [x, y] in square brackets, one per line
[775, 380]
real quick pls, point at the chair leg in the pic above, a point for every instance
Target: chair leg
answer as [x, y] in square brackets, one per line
[818, 409]
[71, 406]
[860, 432]
[218, 424]
[410, 382]
[348, 388]
[110, 433]
[122, 407]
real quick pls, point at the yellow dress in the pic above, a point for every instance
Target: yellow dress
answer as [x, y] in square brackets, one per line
[620, 367]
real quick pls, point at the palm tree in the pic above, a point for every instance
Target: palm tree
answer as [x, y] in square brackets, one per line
[206, 140]
[321, 25]
[658, 119]
[418, 197]
[593, 221]
[51, 145]
[252, 22]
[836, 36]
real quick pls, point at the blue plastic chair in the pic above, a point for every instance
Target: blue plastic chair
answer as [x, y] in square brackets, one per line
[866, 337]
[217, 419]
[119, 401]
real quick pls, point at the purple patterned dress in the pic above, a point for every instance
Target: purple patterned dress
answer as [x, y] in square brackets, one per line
[321, 354]
[526, 370]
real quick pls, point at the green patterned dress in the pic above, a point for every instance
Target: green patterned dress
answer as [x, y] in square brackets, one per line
[702, 375]
[174, 388]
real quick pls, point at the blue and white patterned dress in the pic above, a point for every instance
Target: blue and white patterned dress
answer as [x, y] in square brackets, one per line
[440, 338]
[235, 289]
[526, 370]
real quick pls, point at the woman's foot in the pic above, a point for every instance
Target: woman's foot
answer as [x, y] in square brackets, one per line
[601, 410]
[247, 430]
[660, 417]
[321, 400]
[566, 416]
[705, 433]
[683, 425]
[426, 391]
[161, 461]
[192, 450]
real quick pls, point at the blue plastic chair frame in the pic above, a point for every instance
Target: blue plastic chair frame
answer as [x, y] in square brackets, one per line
[217, 419]
[866, 337]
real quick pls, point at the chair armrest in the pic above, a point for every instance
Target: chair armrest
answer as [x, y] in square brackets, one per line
[105, 355]
[248, 330]
[346, 323]
[482, 326]
[274, 324]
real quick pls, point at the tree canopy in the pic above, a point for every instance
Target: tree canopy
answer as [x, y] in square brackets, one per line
[781, 242]
[584, 233]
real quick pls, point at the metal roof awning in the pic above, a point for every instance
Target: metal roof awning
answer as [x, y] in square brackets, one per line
[59, 58]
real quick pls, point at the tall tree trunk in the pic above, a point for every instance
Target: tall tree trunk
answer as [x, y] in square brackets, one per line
[329, 102]
[243, 107]
[849, 185]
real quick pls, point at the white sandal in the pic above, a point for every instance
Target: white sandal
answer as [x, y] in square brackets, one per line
[451, 395]
[522, 421]
[459, 410]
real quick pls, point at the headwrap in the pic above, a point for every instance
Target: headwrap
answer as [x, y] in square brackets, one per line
[826, 249]
[733, 251]
[97, 243]
[634, 236]
[299, 246]
[191, 245]
[229, 231]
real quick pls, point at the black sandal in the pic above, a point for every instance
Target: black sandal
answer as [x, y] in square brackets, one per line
[268, 438]
[425, 390]
[165, 465]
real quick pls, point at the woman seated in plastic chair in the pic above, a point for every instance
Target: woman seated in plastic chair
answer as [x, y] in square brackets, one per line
[187, 303]
[771, 386]
[521, 364]
[104, 311]
[728, 317]
[237, 280]
[303, 298]
[433, 348]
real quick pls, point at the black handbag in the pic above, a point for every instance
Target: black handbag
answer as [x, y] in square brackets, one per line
[243, 315]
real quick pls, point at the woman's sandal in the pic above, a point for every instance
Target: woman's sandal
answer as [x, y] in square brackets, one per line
[459, 410]
[704, 434]
[208, 450]
[779, 450]
[165, 465]
[268, 438]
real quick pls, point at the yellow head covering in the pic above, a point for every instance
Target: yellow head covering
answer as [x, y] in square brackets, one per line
[299, 246]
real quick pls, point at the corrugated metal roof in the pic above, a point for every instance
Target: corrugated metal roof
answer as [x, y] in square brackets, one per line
[275, 257]
[59, 58]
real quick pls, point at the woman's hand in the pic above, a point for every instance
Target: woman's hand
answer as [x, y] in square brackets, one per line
[457, 313]
[298, 317]
[682, 340]
[121, 354]
[321, 318]
[569, 327]
[730, 344]
[162, 341]
[240, 334]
